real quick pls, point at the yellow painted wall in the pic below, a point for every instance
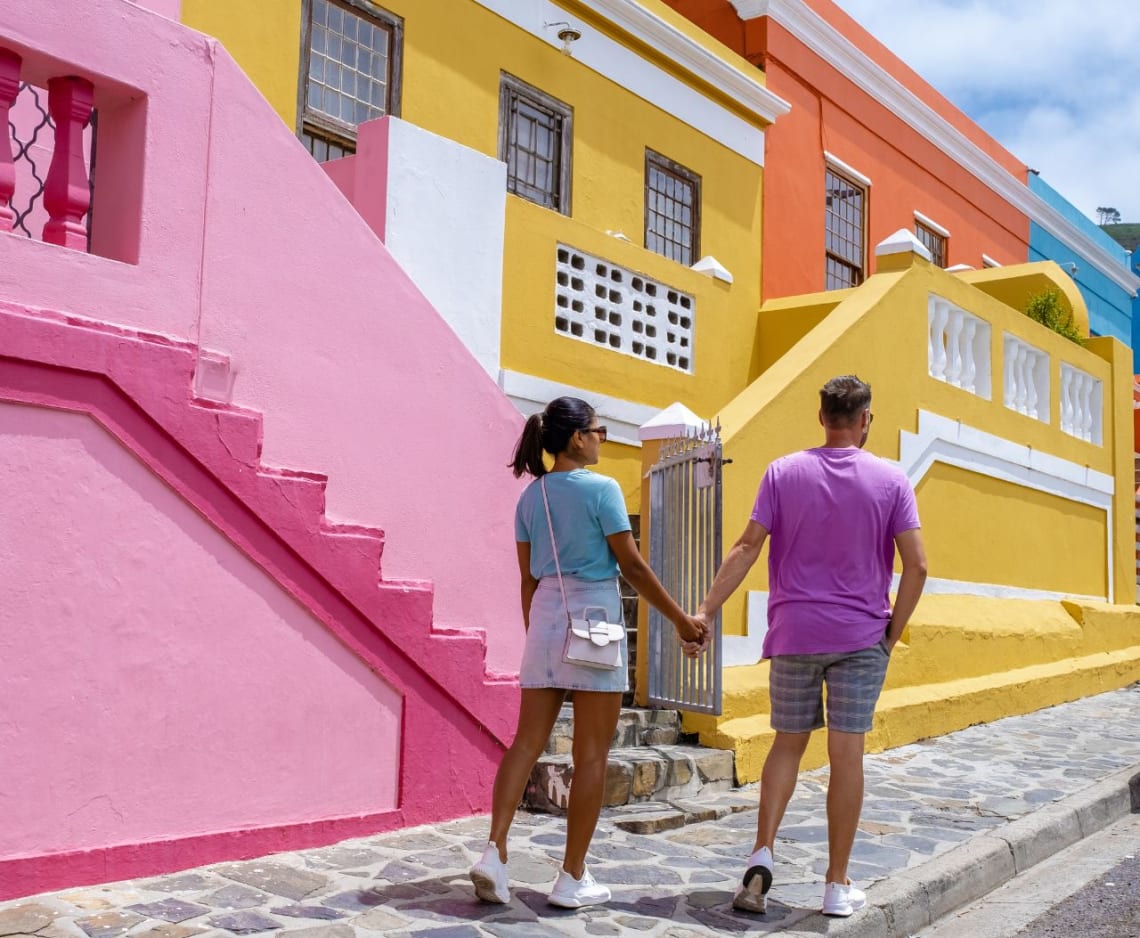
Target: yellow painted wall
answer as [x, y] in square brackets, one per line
[880, 332]
[263, 36]
[968, 519]
[451, 87]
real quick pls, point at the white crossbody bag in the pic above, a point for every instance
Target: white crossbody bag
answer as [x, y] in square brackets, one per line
[590, 642]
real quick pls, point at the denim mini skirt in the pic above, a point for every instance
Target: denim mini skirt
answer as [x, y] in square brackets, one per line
[542, 664]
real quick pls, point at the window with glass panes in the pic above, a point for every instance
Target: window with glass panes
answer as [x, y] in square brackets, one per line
[844, 214]
[935, 243]
[350, 62]
[672, 209]
[535, 140]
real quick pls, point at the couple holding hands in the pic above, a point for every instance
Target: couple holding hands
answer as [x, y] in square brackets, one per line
[835, 514]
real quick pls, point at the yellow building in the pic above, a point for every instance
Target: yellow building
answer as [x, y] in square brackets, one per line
[631, 146]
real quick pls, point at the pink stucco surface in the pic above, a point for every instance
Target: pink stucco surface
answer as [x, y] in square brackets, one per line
[138, 643]
[349, 502]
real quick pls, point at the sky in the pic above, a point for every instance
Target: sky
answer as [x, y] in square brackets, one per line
[1056, 82]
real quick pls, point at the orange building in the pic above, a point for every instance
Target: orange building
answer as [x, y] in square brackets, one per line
[868, 148]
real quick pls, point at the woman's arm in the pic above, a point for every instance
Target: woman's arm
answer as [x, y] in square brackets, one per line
[641, 577]
[529, 583]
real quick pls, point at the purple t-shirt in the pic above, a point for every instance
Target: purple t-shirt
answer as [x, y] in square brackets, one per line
[832, 515]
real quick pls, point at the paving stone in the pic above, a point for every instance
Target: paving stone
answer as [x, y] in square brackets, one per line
[167, 931]
[61, 928]
[244, 922]
[322, 931]
[276, 878]
[169, 910]
[381, 920]
[309, 911]
[186, 882]
[109, 924]
[236, 897]
[25, 919]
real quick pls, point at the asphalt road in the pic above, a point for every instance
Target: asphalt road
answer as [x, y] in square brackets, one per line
[1090, 890]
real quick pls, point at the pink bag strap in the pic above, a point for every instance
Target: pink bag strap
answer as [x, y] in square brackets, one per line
[554, 545]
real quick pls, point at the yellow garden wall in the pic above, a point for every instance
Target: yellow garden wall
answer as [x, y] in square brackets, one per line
[879, 331]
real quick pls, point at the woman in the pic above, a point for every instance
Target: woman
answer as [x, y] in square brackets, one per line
[593, 539]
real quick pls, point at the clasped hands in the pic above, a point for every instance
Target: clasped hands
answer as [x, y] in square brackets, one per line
[695, 636]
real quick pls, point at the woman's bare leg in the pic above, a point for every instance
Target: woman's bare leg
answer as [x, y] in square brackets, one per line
[595, 718]
[537, 713]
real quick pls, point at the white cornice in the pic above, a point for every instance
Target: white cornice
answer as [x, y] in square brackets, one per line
[833, 47]
[649, 28]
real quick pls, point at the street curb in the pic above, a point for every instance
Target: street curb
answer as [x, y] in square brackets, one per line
[917, 897]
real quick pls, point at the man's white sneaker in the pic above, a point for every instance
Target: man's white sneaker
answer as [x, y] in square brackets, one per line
[752, 893]
[841, 899]
[490, 877]
[571, 893]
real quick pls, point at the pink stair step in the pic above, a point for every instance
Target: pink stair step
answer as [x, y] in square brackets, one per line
[304, 491]
[240, 431]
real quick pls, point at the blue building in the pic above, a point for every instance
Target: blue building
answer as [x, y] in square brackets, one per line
[1101, 268]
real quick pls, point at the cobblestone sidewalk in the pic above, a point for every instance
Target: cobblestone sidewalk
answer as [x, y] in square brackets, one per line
[921, 801]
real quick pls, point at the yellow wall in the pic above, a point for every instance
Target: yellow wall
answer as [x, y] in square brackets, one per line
[973, 530]
[263, 36]
[451, 87]
[968, 519]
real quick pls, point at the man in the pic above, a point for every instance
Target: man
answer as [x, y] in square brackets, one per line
[835, 515]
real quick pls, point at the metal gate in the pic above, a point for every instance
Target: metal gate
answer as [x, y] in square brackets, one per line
[685, 547]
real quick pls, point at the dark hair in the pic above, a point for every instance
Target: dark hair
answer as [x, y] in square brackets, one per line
[843, 399]
[550, 431]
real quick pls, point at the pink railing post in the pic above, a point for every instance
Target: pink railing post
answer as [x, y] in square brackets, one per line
[67, 194]
[9, 87]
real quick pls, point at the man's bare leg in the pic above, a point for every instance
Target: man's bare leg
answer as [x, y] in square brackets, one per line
[844, 800]
[777, 782]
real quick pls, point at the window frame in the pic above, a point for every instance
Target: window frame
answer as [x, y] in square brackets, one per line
[333, 129]
[511, 85]
[864, 189]
[654, 159]
[935, 233]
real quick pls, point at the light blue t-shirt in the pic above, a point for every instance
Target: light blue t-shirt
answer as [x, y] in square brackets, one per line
[586, 509]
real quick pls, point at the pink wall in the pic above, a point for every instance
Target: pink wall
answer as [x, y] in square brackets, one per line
[136, 657]
[215, 230]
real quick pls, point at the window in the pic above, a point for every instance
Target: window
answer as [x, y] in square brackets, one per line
[535, 132]
[844, 213]
[350, 60]
[934, 241]
[672, 209]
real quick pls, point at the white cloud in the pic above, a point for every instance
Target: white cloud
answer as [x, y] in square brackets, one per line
[1057, 83]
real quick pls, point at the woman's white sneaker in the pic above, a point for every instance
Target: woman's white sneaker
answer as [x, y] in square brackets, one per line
[490, 877]
[842, 899]
[571, 893]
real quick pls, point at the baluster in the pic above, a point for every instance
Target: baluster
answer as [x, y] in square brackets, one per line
[1031, 395]
[67, 192]
[938, 341]
[1066, 399]
[9, 87]
[970, 369]
[1009, 354]
[1086, 407]
[953, 347]
[1021, 393]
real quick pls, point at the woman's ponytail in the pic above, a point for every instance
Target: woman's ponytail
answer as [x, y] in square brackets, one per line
[528, 450]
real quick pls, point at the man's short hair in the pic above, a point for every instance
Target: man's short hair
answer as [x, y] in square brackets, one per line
[843, 399]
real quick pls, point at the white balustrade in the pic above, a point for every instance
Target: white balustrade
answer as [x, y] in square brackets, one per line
[1082, 404]
[1026, 378]
[958, 347]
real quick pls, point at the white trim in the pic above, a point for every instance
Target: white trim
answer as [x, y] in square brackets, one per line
[637, 74]
[837, 50]
[940, 587]
[661, 35]
[928, 222]
[990, 262]
[530, 394]
[847, 169]
[940, 439]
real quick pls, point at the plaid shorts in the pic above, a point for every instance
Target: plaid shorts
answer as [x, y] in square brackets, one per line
[854, 680]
